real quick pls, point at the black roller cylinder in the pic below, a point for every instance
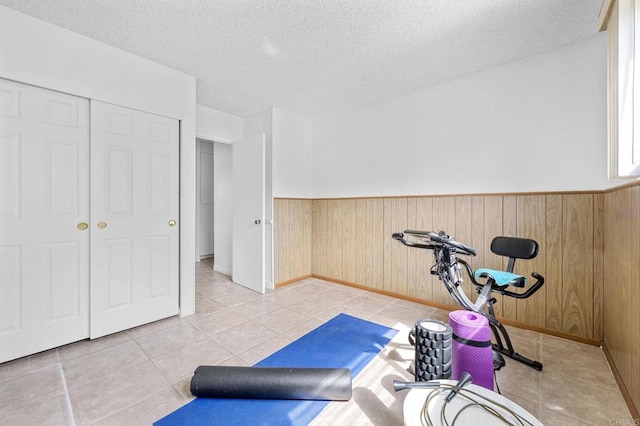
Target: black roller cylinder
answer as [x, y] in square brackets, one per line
[325, 384]
[433, 350]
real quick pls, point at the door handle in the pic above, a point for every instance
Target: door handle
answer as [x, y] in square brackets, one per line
[83, 226]
[172, 222]
[258, 222]
[102, 225]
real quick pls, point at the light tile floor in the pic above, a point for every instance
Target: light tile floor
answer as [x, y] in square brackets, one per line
[140, 375]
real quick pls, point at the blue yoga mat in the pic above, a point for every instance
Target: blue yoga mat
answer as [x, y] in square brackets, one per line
[342, 342]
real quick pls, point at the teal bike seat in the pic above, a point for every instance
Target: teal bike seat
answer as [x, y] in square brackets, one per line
[501, 278]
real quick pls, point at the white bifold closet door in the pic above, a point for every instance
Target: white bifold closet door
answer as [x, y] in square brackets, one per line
[88, 219]
[44, 206]
[134, 211]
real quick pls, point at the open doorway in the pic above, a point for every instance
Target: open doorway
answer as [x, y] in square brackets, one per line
[205, 201]
[213, 204]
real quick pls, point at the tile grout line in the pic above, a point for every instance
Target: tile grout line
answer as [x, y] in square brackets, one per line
[67, 397]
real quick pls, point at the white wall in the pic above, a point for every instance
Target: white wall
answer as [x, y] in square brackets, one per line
[214, 125]
[38, 53]
[222, 203]
[533, 125]
[292, 144]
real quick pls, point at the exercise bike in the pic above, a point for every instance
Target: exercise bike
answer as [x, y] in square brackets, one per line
[448, 268]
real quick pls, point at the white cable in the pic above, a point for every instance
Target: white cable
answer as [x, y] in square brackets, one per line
[475, 399]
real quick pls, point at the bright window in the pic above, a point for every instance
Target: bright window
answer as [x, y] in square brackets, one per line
[621, 18]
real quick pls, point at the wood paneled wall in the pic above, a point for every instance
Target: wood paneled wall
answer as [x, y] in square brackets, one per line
[351, 242]
[589, 256]
[622, 286]
[292, 239]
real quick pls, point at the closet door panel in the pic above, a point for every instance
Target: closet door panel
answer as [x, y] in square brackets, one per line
[134, 262]
[44, 197]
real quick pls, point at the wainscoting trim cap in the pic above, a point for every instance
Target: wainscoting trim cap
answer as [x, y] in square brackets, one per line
[623, 186]
[496, 194]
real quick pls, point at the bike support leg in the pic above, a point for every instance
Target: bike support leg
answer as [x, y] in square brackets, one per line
[500, 333]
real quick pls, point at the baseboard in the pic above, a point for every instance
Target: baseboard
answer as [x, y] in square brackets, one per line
[222, 269]
[446, 307]
[623, 388]
[551, 332]
[386, 293]
[292, 281]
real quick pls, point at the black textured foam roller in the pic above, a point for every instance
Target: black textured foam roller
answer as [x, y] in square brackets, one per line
[326, 384]
[432, 350]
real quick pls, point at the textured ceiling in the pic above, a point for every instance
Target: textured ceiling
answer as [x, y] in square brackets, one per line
[313, 56]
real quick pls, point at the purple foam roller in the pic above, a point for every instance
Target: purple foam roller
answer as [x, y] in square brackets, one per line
[471, 347]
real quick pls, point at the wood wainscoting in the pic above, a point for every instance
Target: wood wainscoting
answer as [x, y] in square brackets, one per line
[292, 239]
[350, 242]
[589, 256]
[622, 288]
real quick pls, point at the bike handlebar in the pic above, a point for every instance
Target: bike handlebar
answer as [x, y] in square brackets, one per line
[439, 239]
[400, 237]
